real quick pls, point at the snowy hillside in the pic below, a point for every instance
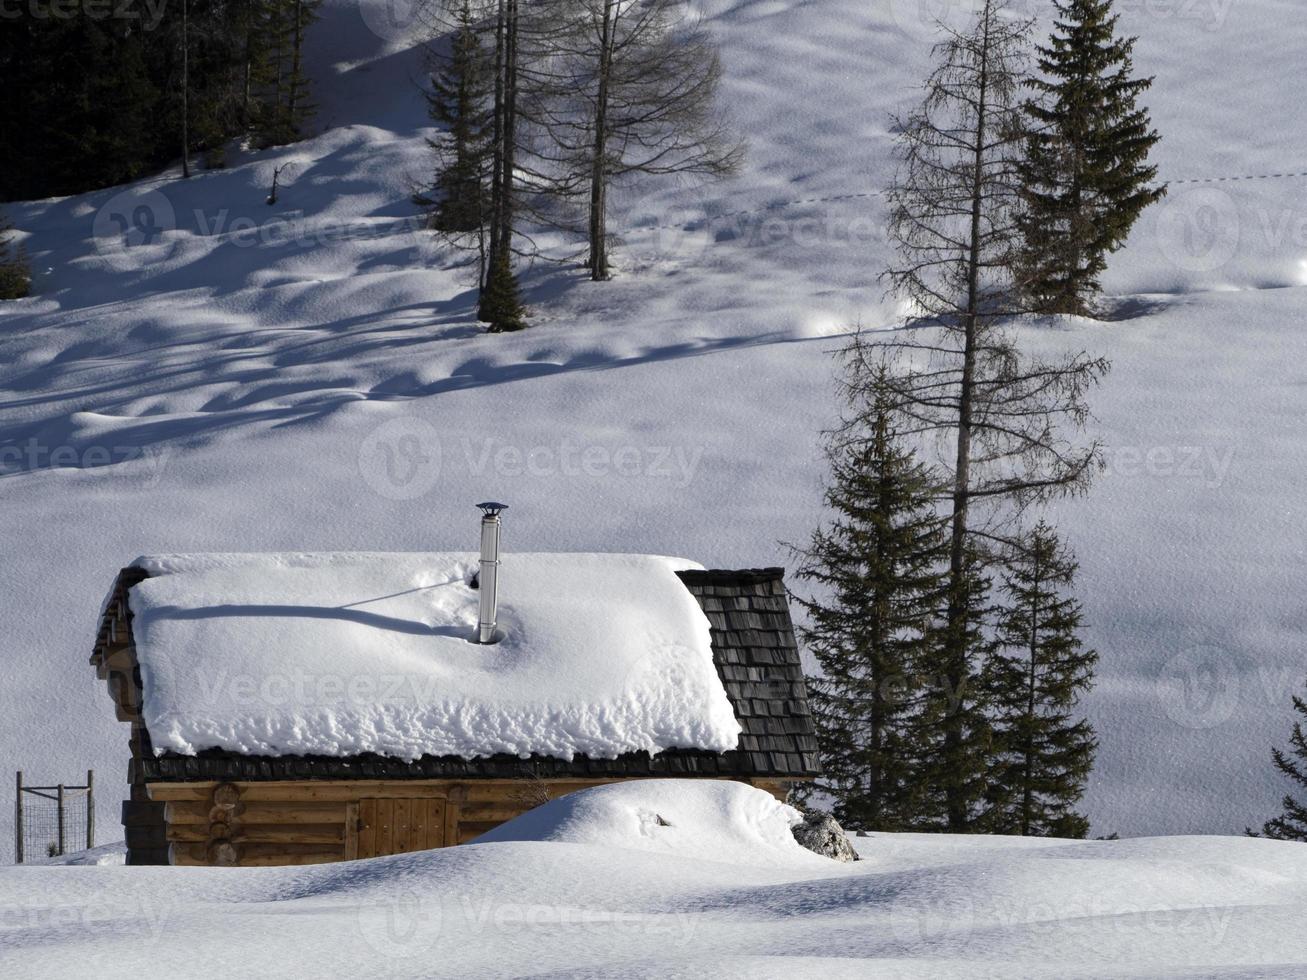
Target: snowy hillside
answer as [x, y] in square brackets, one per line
[593, 886]
[198, 371]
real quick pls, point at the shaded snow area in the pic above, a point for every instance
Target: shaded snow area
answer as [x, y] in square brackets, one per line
[338, 654]
[211, 374]
[602, 896]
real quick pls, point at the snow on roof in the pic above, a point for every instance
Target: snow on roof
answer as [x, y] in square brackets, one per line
[340, 654]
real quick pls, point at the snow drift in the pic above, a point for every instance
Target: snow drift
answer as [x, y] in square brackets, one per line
[706, 820]
[602, 904]
[338, 654]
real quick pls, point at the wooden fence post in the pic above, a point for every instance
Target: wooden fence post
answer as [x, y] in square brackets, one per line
[61, 819]
[90, 809]
[18, 821]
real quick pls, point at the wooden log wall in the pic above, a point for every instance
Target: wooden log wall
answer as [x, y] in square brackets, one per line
[114, 659]
[318, 821]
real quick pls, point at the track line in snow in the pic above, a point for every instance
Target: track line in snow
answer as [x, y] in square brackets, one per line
[836, 198]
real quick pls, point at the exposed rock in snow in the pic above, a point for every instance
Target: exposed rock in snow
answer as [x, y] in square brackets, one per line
[820, 833]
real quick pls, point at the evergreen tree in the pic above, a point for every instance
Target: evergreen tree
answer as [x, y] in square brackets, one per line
[1085, 179]
[1007, 417]
[15, 277]
[299, 108]
[287, 106]
[501, 305]
[501, 301]
[879, 565]
[952, 733]
[1292, 824]
[1034, 678]
[459, 102]
[86, 115]
[107, 100]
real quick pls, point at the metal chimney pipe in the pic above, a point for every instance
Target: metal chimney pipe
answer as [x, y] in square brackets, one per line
[488, 578]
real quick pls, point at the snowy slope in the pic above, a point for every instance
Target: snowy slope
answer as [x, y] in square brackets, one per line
[308, 377]
[588, 892]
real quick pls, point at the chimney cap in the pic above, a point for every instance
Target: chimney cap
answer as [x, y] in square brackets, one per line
[491, 508]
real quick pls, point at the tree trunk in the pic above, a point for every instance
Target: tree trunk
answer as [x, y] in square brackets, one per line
[958, 672]
[599, 166]
[509, 131]
[499, 158]
[186, 85]
[1028, 762]
[296, 66]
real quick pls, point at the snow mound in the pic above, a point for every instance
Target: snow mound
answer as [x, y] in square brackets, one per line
[338, 654]
[705, 820]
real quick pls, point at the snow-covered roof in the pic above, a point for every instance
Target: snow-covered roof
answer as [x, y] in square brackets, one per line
[343, 654]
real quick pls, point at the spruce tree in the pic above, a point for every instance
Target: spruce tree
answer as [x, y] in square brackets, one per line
[299, 108]
[501, 305]
[459, 102]
[960, 375]
[1292, 824]
[285, 107]
[952, 732]
[501, 302]
[879, 568]
[1085, 179]
[1043, 752]
[15, 277]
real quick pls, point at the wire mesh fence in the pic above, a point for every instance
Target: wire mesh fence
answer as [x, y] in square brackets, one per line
[50, 821]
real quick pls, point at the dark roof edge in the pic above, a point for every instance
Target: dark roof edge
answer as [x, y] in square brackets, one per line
[726, 576]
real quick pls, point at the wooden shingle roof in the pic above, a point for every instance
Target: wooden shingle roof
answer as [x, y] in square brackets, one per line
[754, 650]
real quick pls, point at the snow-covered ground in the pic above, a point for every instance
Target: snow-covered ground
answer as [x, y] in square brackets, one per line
[200, 372]
[595, 886]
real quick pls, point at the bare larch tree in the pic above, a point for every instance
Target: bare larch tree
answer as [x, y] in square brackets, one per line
[634, 92]
[956, 373]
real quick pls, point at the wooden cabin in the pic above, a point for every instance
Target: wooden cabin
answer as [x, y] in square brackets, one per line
[222, 807]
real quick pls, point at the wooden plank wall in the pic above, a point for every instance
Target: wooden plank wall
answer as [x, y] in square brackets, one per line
[114, 658]
[318, 821]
